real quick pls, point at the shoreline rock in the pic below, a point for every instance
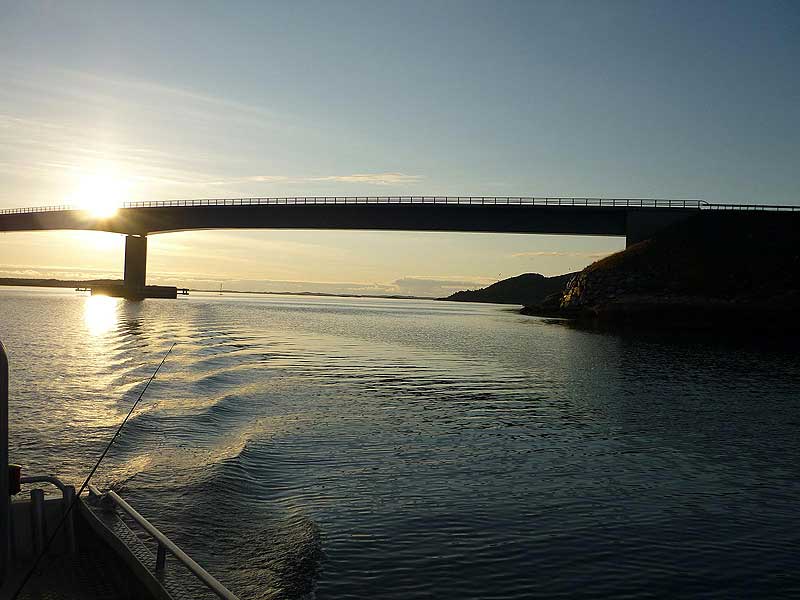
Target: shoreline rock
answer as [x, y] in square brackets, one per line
[731, 271]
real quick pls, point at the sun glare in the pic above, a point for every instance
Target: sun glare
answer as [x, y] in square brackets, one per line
[100, 194]
[100, 314]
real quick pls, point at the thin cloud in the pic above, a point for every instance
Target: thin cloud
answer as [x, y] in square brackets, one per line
[42, 147]
[104, 90]
[56, 272]
[375, 178]
[445, 281]
[46, 147]
[552, 254]
[268, 178]
[363, 178]
[436, 287]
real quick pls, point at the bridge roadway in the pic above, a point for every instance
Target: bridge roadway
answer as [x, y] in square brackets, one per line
[636, 219]
[576, 216]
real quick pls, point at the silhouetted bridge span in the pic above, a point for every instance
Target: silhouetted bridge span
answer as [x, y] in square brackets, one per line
[636, 219]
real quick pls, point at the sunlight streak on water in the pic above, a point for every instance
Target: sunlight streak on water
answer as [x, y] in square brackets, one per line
[101, 314]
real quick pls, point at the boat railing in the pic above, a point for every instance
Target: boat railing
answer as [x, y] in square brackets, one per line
[166, 545]
[5, 500]
[38, 509]
[47, 479]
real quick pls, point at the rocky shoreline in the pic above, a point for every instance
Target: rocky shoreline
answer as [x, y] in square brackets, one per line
[714, 271]
[670, 313]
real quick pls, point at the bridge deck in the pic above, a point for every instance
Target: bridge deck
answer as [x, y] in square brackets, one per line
[578, 216]
[581, 216]
[636, 219]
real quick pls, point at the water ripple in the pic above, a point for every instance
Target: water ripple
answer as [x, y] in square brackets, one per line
[326, 448]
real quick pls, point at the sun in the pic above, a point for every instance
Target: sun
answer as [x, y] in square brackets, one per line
[100, 194]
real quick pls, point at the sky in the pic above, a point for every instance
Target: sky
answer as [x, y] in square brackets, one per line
[167, 100]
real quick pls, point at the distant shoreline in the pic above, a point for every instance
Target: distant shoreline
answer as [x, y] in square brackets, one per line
[67, 283]
[57, 283]
[325, 294]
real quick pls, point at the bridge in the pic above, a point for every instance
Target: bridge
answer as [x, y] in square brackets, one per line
[635, 219]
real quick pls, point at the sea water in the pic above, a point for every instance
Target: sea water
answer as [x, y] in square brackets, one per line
[304, 447]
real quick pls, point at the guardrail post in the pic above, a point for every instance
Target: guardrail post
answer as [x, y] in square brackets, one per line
[37, 519]
[69, 525]
[161, 558]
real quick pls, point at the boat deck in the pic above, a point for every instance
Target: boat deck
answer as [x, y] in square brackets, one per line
[178, 584]
[104, 567]
[86, 550]
[94, 572]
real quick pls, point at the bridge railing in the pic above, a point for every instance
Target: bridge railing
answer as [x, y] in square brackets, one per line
[502, 200]
[483, 200]
[457, 200]
[767, 207]
[35, 209]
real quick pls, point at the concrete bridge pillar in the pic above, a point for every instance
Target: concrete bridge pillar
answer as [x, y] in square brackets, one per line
[135, 261]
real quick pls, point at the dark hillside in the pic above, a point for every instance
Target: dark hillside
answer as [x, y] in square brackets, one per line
[713, 266]
[529, 288]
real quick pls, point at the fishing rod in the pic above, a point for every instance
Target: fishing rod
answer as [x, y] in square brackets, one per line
[77, 496]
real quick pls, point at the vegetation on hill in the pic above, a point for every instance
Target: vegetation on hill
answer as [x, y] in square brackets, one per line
[708, 269]
[529, 288]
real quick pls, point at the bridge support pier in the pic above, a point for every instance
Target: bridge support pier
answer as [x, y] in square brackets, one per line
[135, 262]
[133, 287]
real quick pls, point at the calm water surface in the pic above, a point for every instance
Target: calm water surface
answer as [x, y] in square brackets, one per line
[353, 448]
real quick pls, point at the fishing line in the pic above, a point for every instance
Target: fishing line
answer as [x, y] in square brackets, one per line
[86, 481]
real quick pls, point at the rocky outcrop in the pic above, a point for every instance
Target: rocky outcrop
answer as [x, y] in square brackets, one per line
[710, 270]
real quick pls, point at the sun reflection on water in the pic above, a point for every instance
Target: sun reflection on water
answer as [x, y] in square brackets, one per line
[101, 314]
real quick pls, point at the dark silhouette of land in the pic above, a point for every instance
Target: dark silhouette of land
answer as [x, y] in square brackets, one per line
[105, 283]
[733, 270]
[59, 283]
[526, 289]
[322, 294]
